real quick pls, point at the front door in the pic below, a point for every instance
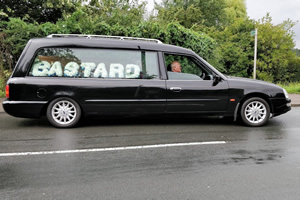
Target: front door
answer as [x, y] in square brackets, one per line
[191, 87]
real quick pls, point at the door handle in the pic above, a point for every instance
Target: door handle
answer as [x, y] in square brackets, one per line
[175, 89]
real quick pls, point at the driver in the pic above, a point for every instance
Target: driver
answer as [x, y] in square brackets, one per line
[176, 67]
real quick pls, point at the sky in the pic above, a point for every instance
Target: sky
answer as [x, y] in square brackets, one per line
[280, 10]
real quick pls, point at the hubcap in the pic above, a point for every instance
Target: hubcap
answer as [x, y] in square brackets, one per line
[64, 112]
[255, 112]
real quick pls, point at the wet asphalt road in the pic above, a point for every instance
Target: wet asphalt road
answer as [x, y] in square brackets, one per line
[254, 163]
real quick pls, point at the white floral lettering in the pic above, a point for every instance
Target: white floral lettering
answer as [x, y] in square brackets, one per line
[40, 68]
[88, 67]
[55, 70]
[132, 71]
[116, 70]
[100, 71]
[71, 69]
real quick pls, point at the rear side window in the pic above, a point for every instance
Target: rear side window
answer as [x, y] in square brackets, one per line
[95, 63]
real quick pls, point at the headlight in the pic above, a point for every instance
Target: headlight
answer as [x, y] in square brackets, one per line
[285, 93]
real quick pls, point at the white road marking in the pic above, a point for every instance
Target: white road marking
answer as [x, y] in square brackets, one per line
[109, 149]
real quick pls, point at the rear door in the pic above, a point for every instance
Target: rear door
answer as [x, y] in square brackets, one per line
[103, 81]
[131, 84]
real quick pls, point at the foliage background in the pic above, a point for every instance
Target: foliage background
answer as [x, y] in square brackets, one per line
[217, 30]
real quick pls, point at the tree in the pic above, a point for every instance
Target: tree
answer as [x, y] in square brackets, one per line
[235, 9]
[192, 12]
[14, 37]
[187, 16]
[235, 45]
[38, 10]
[297, 51]
[209, 13]
[275, 49]
[122, 12]
[293, 70]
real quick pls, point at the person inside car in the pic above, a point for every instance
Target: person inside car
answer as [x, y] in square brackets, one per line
[174, 72]
[176, 67]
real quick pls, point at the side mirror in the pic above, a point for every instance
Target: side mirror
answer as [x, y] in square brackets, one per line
[217, 78]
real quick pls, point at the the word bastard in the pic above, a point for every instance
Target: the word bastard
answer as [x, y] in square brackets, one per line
[89, 69]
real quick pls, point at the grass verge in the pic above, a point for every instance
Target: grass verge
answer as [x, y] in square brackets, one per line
[2, 88]
[291, 88]
[4, 75]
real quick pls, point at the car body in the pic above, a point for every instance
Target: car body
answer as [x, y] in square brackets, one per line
[108, 76]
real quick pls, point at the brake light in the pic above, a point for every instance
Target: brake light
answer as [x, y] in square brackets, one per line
[7, 91]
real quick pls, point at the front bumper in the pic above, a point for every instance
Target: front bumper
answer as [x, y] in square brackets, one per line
[281, 106]
[24, 109]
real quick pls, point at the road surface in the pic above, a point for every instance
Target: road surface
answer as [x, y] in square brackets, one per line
[144, 158]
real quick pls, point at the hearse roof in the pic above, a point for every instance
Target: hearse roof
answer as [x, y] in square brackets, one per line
[106, 43]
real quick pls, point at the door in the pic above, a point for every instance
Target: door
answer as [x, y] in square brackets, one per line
[191, 87]
[103, 81]
[126, 82]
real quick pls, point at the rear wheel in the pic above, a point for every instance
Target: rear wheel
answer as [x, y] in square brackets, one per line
[255, 112]
[63, 112]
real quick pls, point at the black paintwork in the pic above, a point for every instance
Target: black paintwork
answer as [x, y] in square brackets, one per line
[29, 96]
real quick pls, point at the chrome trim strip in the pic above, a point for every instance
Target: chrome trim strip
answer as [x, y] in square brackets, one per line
[126, 100]
[149, 100]
[24, 102]
[191, 100]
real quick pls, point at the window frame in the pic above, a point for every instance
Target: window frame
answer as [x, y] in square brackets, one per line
[30, 65]
[194, 58]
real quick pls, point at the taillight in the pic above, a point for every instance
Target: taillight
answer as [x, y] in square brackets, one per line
[7, 91]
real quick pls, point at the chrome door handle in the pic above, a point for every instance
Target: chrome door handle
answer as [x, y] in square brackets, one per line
[175, 89]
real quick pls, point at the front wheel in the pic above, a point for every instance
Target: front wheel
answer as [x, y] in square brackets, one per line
[63, 112]
[255, 112]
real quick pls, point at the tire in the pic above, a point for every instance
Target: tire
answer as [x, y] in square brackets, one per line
[63, 112]
[255, 112]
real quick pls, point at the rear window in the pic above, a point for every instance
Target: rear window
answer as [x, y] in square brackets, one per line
[95, 63]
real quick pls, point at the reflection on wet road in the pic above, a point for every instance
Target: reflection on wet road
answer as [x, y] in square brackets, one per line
[254, 163]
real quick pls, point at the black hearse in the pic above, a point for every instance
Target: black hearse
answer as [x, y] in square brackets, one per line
[69, 76]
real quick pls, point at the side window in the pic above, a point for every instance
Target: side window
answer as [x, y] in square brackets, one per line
[185, 68]
[95, 63]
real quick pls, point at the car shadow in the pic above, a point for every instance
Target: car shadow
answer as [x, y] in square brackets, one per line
[135, 120]
[155, 120]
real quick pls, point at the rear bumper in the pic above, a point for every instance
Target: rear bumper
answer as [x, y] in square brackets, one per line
[24, 109]
[280, 106]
